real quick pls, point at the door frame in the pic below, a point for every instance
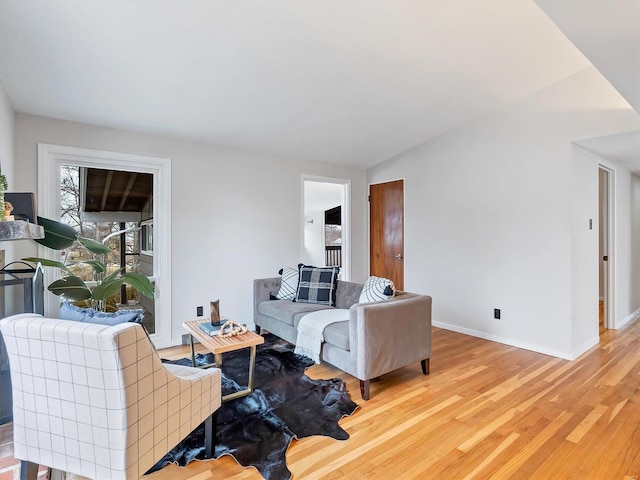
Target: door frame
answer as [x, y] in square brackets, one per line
[51, 157]
[345, 271]
[404, 224]
[609, 274]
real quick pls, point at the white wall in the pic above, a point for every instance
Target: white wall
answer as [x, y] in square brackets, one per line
[314, 243]
[7, 159]
[624, 254]
[318, 197]
[235, 214]
[626, 247]
[634, 261]
[489, 215]
[585, 275]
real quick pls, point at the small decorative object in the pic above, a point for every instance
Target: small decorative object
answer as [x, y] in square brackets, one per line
[215, 312]
[8, 208]
[232, 329]
[24, 205]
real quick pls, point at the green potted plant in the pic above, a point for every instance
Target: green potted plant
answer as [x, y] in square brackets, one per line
[59, 236]
[4, 186]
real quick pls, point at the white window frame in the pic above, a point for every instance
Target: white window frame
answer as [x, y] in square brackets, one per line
[51, 157]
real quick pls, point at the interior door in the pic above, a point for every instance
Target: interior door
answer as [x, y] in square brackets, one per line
[603, 247]
[386, 231]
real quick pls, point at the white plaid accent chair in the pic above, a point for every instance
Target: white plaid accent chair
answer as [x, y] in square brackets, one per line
[97, 401]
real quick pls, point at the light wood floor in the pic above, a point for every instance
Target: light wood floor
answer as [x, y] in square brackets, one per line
[487, 411]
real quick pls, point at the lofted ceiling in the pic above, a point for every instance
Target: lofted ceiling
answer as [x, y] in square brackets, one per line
[608, 34]
[351, 83]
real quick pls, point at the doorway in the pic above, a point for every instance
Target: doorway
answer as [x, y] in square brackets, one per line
[386, 231]
[325, 223]
[52, 158]
[605, 237]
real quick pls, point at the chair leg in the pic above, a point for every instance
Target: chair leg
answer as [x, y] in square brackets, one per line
[426, 366]
[364, 389]
[210, 435]
[28, 470]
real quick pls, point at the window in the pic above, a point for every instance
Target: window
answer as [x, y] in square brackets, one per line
[146, 237]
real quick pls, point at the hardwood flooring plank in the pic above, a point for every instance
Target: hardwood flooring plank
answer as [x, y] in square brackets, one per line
[621, 370]
[488, 460]
[362, 451]
[530, 448]
[484, 432]
[581, 430]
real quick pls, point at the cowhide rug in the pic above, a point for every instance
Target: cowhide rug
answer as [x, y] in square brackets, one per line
[286, 404]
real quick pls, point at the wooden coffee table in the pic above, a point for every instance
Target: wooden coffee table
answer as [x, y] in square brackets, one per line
[218, 346]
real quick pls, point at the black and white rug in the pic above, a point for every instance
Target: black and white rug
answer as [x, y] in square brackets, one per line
[286, 404]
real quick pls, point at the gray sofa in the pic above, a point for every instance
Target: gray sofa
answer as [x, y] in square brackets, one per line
[378, 338]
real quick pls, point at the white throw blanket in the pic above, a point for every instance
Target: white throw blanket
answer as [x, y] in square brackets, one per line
[311, 331]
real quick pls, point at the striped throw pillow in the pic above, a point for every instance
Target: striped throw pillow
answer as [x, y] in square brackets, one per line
[288, 284]
[376, 289]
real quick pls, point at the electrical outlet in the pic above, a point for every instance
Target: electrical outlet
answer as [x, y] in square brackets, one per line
[496, 313]
[199, 311]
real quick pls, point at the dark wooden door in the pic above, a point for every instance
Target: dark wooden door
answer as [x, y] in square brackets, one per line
[386, 231]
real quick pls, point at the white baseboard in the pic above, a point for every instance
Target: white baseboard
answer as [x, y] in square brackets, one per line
[627, 320]
[584, 347]
[516, 343]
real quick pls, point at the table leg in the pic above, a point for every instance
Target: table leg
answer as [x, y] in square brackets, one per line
[218, 357]
[249, 389]
[252, 367]
[193, 351]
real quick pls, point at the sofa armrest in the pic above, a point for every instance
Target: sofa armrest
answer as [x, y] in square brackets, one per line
[263, 288]
[388, 335]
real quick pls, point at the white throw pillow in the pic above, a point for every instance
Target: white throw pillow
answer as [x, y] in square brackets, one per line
[376, 289]
[289, 283]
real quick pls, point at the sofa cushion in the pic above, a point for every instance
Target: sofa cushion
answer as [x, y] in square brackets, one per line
[287, 311]
[288, 284]
[347, 294]
[317, 285]
[337, 334]
[376, 289]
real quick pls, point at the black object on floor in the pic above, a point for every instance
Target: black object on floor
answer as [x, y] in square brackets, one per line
[286, 404]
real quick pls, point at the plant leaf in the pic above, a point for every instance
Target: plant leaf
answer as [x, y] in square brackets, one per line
[113, 275]
[98, 267]
[57, 235]
[140, 282]
[93, 245]
[48, 263]
[107, 288]
[71, 287]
